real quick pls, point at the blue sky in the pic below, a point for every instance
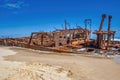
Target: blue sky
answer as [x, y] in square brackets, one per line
[21, 17]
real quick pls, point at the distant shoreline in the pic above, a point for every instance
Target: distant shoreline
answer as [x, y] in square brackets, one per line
[115, 39]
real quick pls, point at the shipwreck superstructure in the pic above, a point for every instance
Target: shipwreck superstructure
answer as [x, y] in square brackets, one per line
[103, 40]
[60, 37]
[68, 38]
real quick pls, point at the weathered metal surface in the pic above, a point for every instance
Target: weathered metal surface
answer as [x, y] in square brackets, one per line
[101, 35]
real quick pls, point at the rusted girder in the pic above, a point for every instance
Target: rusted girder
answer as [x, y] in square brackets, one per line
[102, 21]
[100, 36]
[30, 38]
[109, 35]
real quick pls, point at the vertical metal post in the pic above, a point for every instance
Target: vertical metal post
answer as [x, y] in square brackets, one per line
[30, 39]
[42, 39]
[109, 34]
[100, 39]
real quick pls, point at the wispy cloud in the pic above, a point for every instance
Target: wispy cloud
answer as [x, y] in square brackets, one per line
[11, 4]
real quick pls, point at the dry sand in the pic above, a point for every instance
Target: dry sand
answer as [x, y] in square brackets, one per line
[36, 65]
[29, 70]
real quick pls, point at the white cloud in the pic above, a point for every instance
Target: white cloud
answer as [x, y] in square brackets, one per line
[13, 5]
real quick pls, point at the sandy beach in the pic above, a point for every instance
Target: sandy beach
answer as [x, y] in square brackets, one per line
[27, 64]
[13, 70]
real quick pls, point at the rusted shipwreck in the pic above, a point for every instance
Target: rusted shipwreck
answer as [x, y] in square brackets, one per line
[66, 39]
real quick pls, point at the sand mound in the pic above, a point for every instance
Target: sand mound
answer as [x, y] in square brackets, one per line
[34, 71]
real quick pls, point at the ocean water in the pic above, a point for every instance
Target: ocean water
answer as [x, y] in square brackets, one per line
[117, 39]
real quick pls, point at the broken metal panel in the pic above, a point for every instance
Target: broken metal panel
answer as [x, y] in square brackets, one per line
[66, 37]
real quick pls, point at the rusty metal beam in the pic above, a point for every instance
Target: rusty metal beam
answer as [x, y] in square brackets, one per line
[100, 37]
[42, 36]
[109, 35]
[102, 21]
[30, 39]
